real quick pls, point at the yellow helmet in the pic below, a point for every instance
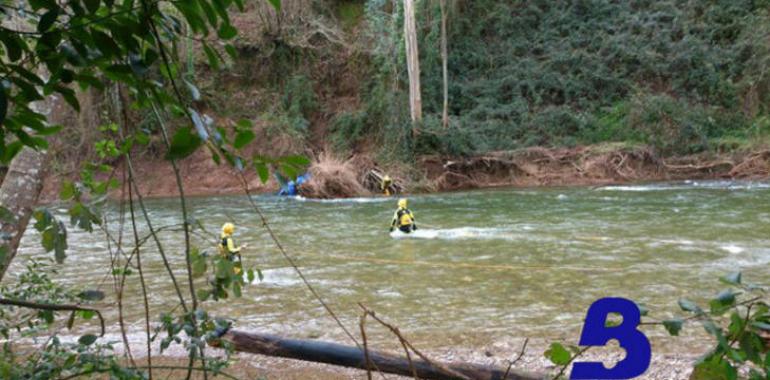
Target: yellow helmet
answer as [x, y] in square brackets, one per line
[228, 228]
[402, 203]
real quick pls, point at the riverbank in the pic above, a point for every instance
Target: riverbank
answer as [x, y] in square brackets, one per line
[666, 363]
[532, 167]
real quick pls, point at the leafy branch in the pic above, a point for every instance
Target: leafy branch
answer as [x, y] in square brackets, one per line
[53, 307]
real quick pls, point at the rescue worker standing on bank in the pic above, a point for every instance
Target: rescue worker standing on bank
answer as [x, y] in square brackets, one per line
[387, 182]
[228, 249]
[403, 218]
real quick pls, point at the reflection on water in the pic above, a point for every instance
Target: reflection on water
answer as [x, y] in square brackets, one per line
[484, 264]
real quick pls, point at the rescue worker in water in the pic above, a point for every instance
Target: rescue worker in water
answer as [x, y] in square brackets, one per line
[403, 218]
[228, 249]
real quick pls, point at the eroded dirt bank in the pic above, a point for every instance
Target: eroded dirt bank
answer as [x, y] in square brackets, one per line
[333, 177]
[592, 165]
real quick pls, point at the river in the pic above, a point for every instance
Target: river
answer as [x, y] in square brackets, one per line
[486, 265]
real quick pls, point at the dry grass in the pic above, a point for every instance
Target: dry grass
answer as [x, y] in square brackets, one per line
[332, 177]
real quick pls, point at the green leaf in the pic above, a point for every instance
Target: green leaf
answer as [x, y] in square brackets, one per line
[224, 269]
[690, 306]
[87, 314]
[46, 315]
[53, 234]
[106, 44]
[243, 138]
[276, 4]
[263, 171]
[296, 160]
[290, 171]
[47, 20]
[204, 294]
[221, 7]
[87, 80]
[732, 278]
[231, 51]
[141, 138]
[138, 66]
[212, 56]
[192, 14]
[119, 72]
[244, 124]
[39, 4]
[72, 55]
[67, 191]
[723, 302]
[87, 339]
[756, 375]
[69, 96]
[227, 31]
[557, 354]
[751, 346]
[250, 275]
[208, 11]
[673, 326]
[762, 326]
[71, 320]
[737, 325]
[183, 144]
[83, 216]
[92, 5]
[198, 263]
[237, 289]
[13, 45]
[48, 131]
[91, 295]
[714, 369]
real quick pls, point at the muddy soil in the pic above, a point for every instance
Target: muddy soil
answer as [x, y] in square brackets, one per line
[532, 167]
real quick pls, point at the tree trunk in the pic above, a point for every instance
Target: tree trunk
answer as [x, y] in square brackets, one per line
[19, 193]
[353, 357]
[412, 61]
[444, 59]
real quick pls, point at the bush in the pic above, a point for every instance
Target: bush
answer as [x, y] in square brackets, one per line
[347, 129]
[299, 99]
[568, 72]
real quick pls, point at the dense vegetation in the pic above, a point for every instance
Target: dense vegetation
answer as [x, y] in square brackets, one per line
[682, 76]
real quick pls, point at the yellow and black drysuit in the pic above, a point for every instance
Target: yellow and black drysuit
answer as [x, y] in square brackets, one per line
[387, 182]
[403, 218]
[228, 249]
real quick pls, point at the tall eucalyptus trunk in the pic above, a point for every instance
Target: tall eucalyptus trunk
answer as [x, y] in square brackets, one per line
[444, 59]
[412, 61]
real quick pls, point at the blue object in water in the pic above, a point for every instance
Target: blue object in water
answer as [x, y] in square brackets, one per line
[290, 187]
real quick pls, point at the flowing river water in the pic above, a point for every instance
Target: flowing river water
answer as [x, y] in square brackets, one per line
[486, 265]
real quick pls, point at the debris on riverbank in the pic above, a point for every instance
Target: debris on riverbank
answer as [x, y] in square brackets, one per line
[588, 166]
[332, 177]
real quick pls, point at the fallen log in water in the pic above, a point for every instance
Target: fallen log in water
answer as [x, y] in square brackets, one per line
[353, 357]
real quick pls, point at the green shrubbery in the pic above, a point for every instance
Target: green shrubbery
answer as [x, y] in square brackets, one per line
[672, 74]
